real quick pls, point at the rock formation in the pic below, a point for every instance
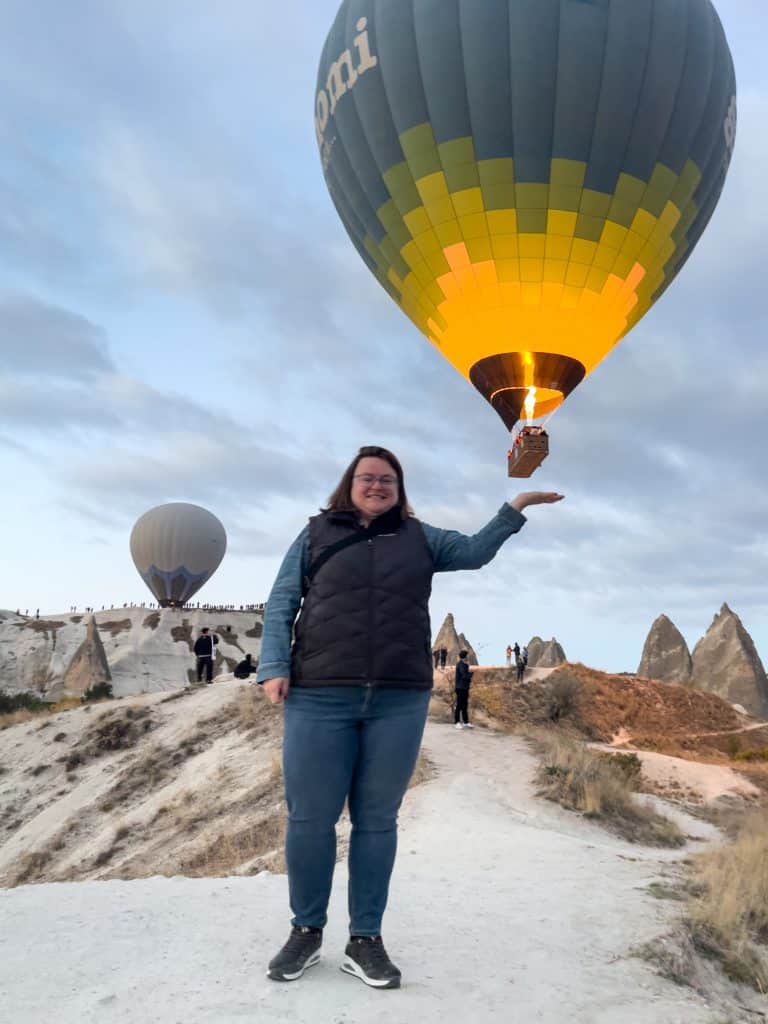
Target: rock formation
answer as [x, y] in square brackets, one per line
[88, 667]
[465, 645]
[726, 662]
[665, 653]
[545, 653]
[139, 650]
[453, 642]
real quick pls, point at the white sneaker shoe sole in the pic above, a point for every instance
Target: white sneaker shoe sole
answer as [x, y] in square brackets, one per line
[351, 966]
[293, 977]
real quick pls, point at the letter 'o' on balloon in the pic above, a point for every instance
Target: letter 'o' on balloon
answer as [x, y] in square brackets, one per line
[177, 548]
[525, 177]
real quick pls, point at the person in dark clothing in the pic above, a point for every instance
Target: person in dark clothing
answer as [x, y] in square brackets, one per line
[443, 656]
[205, 650]
[516, 650]
[520, 667]
[436, 654]
[462, 683]
[346, 646]
[244, 668]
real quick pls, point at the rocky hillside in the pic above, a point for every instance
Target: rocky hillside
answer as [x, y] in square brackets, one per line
[453, 642]
[136, 649]
[181, 783]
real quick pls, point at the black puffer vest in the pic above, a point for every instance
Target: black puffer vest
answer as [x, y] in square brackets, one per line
[365, 617]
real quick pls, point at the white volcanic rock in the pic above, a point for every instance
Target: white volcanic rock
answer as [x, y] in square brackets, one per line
[726, 662]
[535, 650]
[145, 650]
[665, 653]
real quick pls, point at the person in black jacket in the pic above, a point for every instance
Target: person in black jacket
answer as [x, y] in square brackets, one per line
[462, 683]
[346, 648]
[205, 650]
[245, 667]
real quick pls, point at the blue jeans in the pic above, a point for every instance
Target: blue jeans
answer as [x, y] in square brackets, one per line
[355, 742]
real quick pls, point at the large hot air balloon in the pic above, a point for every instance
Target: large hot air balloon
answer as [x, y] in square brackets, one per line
[177, 548]
[525, 177]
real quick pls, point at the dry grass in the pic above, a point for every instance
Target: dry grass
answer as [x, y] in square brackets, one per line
[601, 787]
[728, 915]
[29, 715]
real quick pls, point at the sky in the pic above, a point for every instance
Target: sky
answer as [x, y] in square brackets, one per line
[183, 318]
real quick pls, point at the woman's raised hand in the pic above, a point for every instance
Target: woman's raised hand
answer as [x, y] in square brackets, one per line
[276, 689]
[535, 498]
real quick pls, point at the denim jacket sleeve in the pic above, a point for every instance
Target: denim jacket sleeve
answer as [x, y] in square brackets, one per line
[452, 550]
[282, 608]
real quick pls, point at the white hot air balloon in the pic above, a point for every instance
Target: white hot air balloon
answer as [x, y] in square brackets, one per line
[177, 548]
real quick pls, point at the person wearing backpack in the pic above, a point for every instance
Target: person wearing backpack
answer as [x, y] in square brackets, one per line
[346, 649]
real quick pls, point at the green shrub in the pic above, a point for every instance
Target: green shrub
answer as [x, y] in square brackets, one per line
[99, 691]
[20, 702]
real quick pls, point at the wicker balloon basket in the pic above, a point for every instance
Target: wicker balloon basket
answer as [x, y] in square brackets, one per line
[530, 448]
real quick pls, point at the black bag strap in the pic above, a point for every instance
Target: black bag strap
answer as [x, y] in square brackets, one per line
[353, 538]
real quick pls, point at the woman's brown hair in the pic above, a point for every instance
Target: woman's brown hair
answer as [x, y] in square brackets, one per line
[341, 499]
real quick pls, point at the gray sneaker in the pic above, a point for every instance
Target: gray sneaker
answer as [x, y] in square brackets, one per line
[302, 950]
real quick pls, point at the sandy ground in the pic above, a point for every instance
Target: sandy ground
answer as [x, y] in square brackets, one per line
[503, 907]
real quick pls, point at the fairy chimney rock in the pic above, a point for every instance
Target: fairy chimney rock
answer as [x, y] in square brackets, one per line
[725, 662]
[465, 645]
[665, 653]
[89, 665]
[552, 655]
[448, 637]
[535, 650]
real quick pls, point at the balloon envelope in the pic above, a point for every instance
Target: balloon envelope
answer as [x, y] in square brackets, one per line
[177, 548]
[525, 177]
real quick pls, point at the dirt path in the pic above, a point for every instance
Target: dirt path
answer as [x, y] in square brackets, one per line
[502, 907]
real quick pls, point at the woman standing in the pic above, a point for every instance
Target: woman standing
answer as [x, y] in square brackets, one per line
[356, 683]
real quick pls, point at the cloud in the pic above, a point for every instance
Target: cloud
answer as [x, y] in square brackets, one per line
[41, 340]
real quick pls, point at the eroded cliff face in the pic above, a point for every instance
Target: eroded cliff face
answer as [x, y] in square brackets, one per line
[726, 662]
[137, 649]
[665, 653]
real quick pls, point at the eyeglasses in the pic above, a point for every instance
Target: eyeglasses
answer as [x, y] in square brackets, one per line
[369, 478]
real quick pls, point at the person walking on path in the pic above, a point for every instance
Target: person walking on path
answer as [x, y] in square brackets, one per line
[205, 650]
[462, 683]
[509, 656]
[354, 673]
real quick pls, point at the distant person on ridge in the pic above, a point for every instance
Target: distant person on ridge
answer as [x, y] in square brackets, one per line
[244, 669]
[443, 656]
[520, 667]
[509, 656]
[436, 653]
[346, 646]
[462, 683]
[205, 649]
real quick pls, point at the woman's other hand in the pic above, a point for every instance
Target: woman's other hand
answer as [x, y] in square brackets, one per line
[276, 689]
[535, 498]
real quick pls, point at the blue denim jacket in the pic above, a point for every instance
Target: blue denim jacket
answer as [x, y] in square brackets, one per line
[450, 550]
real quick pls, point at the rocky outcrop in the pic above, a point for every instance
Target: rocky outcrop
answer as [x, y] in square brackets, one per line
[88, 667]
[726, 662]
[545, 653]
[665, 653]
[142, 650]
[453, 642]
[552, 655]
[465, 645]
